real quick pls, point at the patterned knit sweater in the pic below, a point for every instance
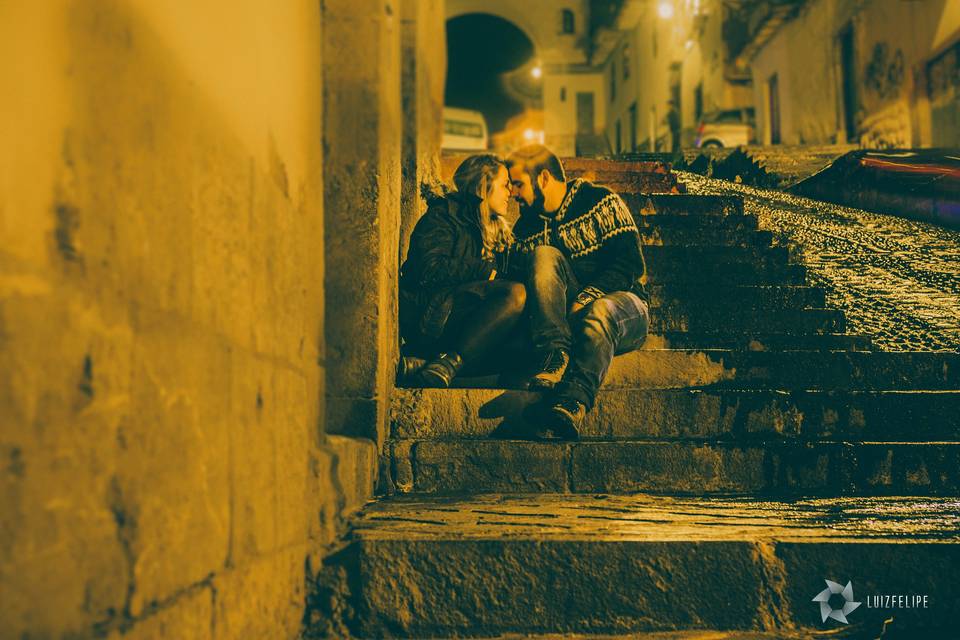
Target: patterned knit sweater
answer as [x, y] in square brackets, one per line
[595, 230]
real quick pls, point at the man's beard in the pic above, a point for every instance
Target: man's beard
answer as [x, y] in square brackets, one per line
[536, 207]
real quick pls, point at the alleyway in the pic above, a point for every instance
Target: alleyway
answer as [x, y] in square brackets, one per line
[894, 278]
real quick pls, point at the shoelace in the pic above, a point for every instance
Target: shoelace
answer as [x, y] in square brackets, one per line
[553, 362]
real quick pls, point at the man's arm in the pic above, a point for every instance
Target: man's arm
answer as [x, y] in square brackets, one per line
[621, 257]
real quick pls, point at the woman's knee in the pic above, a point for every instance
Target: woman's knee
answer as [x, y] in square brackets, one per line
[517, 297]
[510, 296]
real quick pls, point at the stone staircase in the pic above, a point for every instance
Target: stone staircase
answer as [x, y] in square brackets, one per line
[792, 164]
[751, 450]
[777, 166]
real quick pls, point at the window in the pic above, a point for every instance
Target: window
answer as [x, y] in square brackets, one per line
[625, 62]
[563, 94]
[619, 144]
[460, 128]
[568, 25]
[613, 81]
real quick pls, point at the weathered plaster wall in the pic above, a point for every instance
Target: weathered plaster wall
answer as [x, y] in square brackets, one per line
[892, 42]
[560, 116]
[163, 471]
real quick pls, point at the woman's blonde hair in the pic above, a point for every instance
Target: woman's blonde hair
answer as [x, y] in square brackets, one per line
[476, 176]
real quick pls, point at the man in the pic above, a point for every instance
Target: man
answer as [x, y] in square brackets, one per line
[584, 290]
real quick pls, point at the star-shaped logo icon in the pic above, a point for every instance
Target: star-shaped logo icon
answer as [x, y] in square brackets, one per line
[828, 611]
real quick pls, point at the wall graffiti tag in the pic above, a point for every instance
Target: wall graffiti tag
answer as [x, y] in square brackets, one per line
[884, 72]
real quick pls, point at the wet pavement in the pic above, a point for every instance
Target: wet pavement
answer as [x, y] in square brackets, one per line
[663, 518]
[895, 278]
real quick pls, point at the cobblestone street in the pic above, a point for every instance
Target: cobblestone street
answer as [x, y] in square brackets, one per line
[896, 279]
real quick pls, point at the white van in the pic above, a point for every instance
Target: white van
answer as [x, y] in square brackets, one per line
[464, 130]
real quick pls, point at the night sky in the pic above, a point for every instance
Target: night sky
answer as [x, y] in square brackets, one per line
[480, 48]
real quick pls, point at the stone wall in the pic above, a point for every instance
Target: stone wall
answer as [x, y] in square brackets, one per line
[168, 264]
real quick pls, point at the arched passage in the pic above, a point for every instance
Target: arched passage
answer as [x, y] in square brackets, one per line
[481, 49]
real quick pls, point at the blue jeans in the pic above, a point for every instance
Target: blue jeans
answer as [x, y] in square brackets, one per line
[614, 324]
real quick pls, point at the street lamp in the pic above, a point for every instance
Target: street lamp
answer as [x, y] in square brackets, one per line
[536, 72]
[665, 9]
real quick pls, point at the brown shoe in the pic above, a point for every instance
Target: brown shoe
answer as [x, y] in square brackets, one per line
[551, 371]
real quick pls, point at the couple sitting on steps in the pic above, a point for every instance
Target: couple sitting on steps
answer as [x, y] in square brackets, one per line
[566, 280]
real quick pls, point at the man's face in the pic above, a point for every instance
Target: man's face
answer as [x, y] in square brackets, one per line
[526, 192]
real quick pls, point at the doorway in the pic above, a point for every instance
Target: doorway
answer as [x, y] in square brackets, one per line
[585, 123]
[773, 108]
[848, 79]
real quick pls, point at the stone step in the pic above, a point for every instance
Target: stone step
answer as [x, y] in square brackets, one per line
[508, 566]
[664, 269]
[777, 466]
[716, 257]
[745, 320]
[747, 224]
[759, 298]
[722, 265]
[758, 341]
[784, 370]
[576, 167]
[728, 414]
[703, 233]
[654, 206]
[659, 180]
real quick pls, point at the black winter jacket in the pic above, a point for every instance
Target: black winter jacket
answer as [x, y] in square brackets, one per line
[445, 252]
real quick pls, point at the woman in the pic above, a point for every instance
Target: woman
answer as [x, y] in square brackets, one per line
[455, 303]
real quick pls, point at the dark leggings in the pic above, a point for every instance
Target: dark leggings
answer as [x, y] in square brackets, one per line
[484, 315]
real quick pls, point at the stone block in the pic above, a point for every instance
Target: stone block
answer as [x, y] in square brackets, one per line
[690, 467]
[172, 493]
[263, 598]
[356, 416]
[686, 468]
[480, 466]
[489, 587]
[355, 466]
[189, 615]
[909, 566]
[683, 205]
[690, 413]
[477, 565]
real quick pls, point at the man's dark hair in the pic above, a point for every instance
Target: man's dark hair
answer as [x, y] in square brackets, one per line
[535, 158]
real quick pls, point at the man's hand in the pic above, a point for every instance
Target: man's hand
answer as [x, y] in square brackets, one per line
[585, 297]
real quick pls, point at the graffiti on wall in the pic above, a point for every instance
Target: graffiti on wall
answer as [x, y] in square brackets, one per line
[887, 128]
[883, 74]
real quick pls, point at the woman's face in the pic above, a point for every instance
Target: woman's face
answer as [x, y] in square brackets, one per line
[498, 197]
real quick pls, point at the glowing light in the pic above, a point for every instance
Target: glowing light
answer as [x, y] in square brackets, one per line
[665, 9]
[532, 135]
[536, 72]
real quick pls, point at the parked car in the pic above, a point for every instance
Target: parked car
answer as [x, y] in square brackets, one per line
[726, 128]
[464, 130]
